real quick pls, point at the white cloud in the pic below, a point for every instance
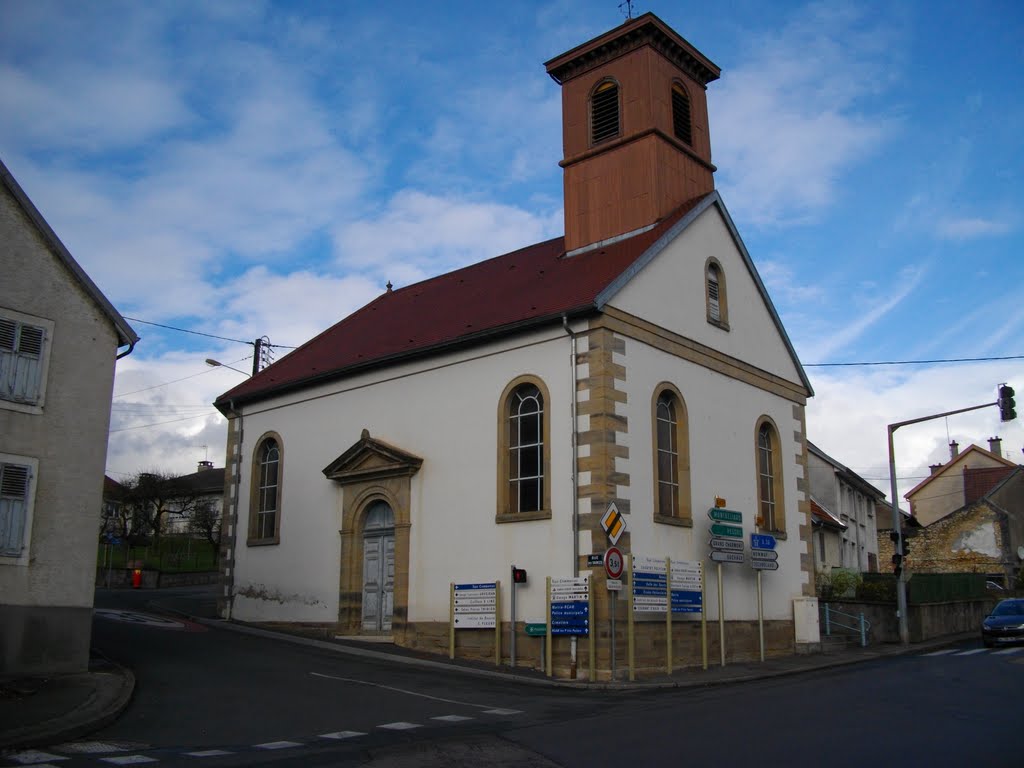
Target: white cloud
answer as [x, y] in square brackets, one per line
[847, 418]
[859, 319]
[420, 235]
[970, 228]
[789, 121]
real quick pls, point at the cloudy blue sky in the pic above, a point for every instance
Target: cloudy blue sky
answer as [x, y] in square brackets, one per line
[241, 169]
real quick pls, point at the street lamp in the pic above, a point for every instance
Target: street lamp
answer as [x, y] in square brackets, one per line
[218, 364]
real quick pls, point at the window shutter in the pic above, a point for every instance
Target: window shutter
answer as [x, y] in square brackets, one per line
[681, 115]
[714, 308]
[21, 361]
[604, 113]
[13, 508]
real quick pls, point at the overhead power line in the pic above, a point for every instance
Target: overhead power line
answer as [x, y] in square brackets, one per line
[202, 333]
[917, 362]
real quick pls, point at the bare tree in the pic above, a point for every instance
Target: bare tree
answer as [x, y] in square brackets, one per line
[151, 497]
[205, 522]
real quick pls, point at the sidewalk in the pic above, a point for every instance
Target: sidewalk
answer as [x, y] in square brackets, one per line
[41, 712]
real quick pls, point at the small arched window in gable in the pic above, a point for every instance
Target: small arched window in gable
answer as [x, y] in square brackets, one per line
[681, 119]
[715, 294]
[604, 112]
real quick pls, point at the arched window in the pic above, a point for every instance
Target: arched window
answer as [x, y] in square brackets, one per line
[524, 461]
[715, 294]
[770, 506]
[604, 112]
[681, 122]
[526, 449]
[671, 457]
[265, 498]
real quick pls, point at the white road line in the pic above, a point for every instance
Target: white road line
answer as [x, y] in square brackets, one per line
[503, 712]
[129, 760]
[342, 735]
[973, 651]
[399, 726]
[452, 718]
[402, 690]
[90, 747]
[210, 753]
[1008, 651]
[940, 653]
[278, 745]
[33, 757]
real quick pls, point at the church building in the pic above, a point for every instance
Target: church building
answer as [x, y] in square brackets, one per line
[492, 416]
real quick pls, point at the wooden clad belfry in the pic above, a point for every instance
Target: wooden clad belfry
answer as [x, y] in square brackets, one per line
[617, 182]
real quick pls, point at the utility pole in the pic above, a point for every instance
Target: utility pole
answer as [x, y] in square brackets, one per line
[897, 522]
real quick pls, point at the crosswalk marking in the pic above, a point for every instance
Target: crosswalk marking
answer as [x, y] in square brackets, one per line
[129, 760]
[278, 745]
[342, 735]
[209, 753]
[943, 652]
[399, 726]
[503, 712]
[34, 757]
[973, 651]
[1008, 651]
[452, 718]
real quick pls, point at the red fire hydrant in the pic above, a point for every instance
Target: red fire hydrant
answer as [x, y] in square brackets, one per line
[136, 578]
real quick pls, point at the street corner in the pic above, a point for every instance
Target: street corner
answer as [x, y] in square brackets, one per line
[151, 620]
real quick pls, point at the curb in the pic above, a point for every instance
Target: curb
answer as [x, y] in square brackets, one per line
[113, 689]
[823, 662]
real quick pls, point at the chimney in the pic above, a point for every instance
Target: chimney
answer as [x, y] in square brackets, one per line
[995, 445]
[954, 449]
[934, 468]
[205, 464]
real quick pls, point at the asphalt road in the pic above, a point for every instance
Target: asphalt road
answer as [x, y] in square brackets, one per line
[212, 697]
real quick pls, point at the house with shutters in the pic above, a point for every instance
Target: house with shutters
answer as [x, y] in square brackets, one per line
[492, 416]
[840, 495]
[59, 338]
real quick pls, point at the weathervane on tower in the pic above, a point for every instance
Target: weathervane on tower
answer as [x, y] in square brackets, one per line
[628, 6]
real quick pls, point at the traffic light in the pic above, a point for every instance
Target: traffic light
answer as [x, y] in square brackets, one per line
[1007, 405]
[897, 564]
[518, 575]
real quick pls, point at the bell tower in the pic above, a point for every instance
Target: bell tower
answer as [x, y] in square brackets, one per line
[634, 129]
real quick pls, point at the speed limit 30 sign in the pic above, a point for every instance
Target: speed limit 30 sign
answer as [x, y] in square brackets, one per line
[613, 562]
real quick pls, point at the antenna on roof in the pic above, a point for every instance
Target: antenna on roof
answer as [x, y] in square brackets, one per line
[629, 8]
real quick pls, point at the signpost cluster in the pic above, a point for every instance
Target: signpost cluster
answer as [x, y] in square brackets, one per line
[569, 608]
[475, 606]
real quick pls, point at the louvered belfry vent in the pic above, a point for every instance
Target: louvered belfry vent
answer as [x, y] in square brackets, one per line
[681, 115]
[604, 117]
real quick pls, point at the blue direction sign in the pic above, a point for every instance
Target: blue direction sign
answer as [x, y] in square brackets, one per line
[762, 541]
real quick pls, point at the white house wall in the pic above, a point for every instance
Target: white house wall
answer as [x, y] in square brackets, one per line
[444, 411]
[722, 418]
[670, 292]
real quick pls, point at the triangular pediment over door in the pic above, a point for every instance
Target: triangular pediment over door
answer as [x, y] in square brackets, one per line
[371, 459]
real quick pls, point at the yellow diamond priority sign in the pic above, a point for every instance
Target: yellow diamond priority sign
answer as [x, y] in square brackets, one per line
[614, 523]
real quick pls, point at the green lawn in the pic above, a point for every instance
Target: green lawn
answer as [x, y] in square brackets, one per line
[176, 554]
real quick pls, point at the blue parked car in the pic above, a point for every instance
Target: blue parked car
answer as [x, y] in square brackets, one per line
[1005, 624]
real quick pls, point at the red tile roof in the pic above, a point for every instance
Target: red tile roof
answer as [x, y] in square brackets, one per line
[528, 287]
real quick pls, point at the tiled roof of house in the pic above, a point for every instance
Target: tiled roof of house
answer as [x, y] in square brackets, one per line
[531, 286]
[825, 517]
[524, 289]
